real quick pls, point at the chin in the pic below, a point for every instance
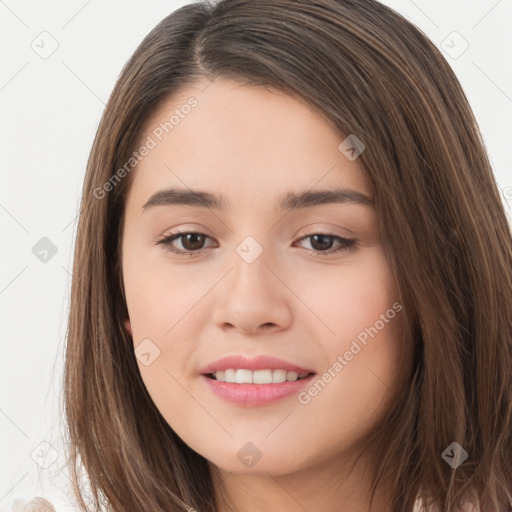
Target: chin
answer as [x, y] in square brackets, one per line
[248, 460]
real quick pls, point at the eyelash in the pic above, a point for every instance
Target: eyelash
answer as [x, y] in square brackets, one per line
[347, 243]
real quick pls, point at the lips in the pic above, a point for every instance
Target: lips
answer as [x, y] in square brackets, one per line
[243, 393]
[255, 395]
[263, 362]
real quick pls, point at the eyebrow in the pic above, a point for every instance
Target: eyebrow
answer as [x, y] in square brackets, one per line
[290, 201]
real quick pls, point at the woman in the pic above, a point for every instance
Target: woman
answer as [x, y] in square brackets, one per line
[293, 273]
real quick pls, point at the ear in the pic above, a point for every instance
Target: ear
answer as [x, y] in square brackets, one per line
[128, 325]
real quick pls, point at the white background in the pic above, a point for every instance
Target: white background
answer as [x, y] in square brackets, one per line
[50, 109]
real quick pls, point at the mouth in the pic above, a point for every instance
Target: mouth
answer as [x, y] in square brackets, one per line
[245, 388]
[255, 381]
[264, 376]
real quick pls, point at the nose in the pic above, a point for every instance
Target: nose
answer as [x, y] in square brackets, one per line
[252, 298]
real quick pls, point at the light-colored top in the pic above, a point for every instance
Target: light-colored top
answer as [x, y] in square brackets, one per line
[418, 507]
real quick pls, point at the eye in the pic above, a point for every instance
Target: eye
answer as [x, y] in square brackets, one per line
[192, 243]
[322, 243]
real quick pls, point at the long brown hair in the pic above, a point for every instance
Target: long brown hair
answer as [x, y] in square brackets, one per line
[371, 73]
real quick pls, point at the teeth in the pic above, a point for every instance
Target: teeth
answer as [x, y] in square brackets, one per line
[243, 376]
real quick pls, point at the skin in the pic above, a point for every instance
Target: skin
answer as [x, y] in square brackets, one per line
[253, 144]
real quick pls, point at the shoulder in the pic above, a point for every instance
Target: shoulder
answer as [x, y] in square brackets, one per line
[419, 507]
[36, 504]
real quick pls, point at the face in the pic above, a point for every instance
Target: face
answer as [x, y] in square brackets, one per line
[307, 282]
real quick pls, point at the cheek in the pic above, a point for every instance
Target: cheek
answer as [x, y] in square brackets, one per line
[351, 297]
[162, 307]
[160, 299]
[361, 338]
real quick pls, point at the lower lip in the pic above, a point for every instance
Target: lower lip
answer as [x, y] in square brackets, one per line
[253, 395]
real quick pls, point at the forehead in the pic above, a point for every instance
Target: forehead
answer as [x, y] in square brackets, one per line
[242, 141]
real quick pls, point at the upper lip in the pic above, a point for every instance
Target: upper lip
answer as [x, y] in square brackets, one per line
[262, 362]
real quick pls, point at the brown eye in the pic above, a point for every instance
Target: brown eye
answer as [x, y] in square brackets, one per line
[192, 241]
[321, 243]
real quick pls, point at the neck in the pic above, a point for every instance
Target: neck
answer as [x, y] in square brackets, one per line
[327, 488]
